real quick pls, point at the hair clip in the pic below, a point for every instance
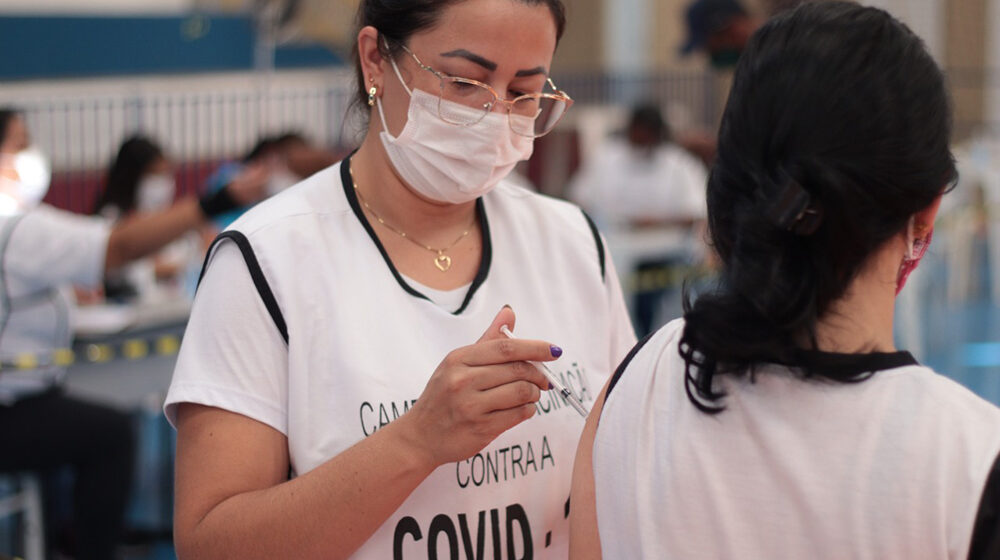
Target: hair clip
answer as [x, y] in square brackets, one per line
[791, 210]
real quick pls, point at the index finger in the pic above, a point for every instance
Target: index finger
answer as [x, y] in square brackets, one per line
[507, 350]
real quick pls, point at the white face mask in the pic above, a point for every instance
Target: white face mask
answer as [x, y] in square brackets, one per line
[33, 180]
[449, 163]
[155, 193]
[281, 179]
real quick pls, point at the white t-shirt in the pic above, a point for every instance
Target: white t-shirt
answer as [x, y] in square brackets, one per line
[42, 253]
[450, 300]
[362, 345]
[618, 186]
[893, 467]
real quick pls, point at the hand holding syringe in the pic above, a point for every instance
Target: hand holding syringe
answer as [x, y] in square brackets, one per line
[556, 384]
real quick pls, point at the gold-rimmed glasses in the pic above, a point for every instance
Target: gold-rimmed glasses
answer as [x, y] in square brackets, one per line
[531, 114]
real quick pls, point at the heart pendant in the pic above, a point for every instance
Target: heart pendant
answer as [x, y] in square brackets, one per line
[443, 262]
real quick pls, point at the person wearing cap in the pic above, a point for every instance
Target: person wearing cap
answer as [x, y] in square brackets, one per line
[720, 28]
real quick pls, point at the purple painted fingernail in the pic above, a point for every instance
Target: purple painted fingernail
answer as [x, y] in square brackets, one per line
[551, 386]
[556, 351]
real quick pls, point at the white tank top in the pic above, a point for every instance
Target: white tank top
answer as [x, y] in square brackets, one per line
[895, 467]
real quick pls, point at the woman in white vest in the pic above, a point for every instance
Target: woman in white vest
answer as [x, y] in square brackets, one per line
[777, 419]
[344, 389]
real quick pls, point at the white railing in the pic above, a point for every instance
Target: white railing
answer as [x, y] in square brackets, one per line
[80, 123]
[201, 120]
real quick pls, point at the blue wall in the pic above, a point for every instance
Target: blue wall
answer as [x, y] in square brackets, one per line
[66, 46]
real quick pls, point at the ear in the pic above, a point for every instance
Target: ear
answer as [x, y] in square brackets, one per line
[372, 62]
[924, 219]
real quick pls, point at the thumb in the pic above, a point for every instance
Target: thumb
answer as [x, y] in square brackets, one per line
[504, 317]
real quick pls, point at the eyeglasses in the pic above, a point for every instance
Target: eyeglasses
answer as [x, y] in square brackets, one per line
[531, 114]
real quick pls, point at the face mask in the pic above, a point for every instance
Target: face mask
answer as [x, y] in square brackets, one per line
[33, 174]
[155, 192]
[280, 180]
[449, 163]
[916, 249]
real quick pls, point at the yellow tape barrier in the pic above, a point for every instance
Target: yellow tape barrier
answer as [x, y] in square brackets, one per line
[130, 350]
[663, 278]
[168, 345]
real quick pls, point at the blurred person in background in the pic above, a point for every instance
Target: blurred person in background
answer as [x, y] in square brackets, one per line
[778, 419]
[281, 161]
[251, 166]
[344, 376]
[645, 180]
[43, 251]
[720, 29]
[299, 157]
[141, 180]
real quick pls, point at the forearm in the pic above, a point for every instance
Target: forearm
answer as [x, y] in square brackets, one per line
[326, 513]
[142, 235]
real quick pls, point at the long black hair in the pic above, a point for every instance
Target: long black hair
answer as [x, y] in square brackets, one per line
[835, 133]
[398, 20]
[7, 114]
[134, 159]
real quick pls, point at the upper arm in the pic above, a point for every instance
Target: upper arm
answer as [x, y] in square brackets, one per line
[49, 247]
[221, 454]
[228, 395]
[585, 542]
[233, 355]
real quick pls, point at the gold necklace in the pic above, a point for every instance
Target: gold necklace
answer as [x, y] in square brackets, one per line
[441, 261]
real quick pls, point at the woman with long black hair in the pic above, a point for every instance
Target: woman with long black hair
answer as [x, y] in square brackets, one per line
[777, 419]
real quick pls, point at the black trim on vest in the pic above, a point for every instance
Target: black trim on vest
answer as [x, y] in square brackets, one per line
[600, 246]
[986, 530]
[259, 281]
[846, 366]
[624, 365]
[484, 226]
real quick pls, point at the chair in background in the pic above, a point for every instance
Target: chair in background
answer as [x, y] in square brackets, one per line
[26, 501]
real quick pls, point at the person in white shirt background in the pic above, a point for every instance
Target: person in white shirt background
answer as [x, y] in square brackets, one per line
[777, 419]
[141, 180]
[343, 388]
[43, 253]
[642, 179]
